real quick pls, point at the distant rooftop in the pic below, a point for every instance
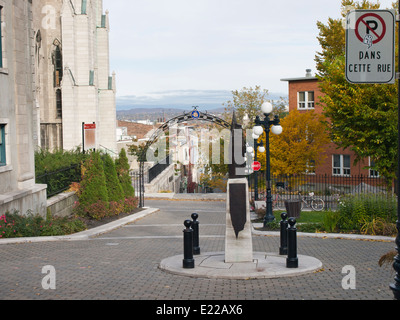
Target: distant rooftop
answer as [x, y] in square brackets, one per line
[308, 76]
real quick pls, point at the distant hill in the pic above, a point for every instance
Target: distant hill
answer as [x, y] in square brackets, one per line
[166, 105]
[157, 114]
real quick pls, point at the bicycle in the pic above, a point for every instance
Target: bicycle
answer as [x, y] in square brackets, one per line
[316, 204]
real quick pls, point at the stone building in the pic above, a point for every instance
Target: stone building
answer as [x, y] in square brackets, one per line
[18, 190]
[74, 85]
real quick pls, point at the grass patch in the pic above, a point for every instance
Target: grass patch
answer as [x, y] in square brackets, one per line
[309, 221]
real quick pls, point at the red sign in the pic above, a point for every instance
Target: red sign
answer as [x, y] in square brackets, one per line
[90, 126]
[256, 166]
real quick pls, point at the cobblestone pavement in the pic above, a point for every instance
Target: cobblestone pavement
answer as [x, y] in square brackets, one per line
[123, 264]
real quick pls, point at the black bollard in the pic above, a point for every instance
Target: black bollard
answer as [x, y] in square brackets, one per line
[188, 261]
[292, 261]
[195, 227]
[283, 250]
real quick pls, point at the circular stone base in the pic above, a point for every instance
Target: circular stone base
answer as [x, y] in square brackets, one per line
[264, 265]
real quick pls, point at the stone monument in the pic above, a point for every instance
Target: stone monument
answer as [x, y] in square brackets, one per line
[238, 237]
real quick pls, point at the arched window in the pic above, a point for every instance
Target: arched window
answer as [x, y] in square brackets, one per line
[58, 69]
[58, 104]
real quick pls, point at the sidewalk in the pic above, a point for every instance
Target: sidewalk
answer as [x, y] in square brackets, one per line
[186, 196]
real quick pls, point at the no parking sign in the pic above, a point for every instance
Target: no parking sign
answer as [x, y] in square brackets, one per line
[370, 46]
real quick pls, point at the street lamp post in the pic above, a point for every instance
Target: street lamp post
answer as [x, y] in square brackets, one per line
[274, 126]
[257, 147]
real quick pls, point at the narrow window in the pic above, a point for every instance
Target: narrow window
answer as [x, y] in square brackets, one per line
[2, 145]
[91, 77]
[310, 165]
[58, 104]
[372, 172]
[346, 165]
[336, 164]
[58, 71]
[310, 100]
[302, 100]
[84, 2]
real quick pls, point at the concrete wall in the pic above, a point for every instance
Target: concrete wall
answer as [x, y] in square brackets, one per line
[166, 181]
[62, 204]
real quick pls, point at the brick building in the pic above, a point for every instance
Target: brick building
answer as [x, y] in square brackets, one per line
[304, 95]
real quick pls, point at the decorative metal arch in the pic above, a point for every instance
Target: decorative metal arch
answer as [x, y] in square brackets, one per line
[194, 115]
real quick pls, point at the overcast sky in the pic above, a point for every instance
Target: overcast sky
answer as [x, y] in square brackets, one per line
[161, 46]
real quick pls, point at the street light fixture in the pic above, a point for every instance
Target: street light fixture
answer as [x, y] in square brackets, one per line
[275, 127]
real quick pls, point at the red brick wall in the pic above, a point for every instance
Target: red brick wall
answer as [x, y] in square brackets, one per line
[296, 86]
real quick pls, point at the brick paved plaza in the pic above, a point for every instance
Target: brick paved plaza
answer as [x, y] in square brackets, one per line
[123, 264]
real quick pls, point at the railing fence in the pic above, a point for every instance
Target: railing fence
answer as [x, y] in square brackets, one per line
[329, 188]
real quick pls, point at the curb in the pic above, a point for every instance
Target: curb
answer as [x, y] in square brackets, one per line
[87, 234]
[323, 235]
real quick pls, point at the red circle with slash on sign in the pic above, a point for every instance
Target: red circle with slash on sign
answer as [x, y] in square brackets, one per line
[364, 22]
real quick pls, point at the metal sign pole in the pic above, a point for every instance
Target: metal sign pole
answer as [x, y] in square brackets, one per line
[396, 265]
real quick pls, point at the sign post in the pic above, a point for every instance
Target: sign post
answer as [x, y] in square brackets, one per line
[370, 46]
[396, 264]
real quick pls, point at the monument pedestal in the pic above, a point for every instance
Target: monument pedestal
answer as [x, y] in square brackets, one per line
[238, 237]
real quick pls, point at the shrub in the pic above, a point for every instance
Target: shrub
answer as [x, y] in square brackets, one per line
[13, 225]
[367, 212]
[59, 159]
[130, 204]
[117, 207]
[93, 185]
[97, 210]
[330, 221]
[122, 167]
[114, 188]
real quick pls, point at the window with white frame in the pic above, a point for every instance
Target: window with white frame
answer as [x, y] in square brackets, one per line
[2, 145]
[372, 172]
[305, 100]
[341, 165]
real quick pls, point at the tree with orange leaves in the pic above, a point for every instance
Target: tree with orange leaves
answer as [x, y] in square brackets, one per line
[300, 147]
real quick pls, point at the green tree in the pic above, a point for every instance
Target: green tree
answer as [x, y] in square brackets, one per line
[122, 167]
[362, 117]
[114, 188]
[246, 102]
[93, 185]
